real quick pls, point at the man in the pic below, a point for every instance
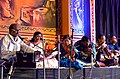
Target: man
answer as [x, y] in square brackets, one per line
[113, 46]
[104, 56]
[86, 51]
[11, 43]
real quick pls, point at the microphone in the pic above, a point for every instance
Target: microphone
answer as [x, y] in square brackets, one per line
[41, 38]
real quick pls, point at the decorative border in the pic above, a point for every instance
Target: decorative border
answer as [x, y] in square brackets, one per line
[92, 20]
[32, 29]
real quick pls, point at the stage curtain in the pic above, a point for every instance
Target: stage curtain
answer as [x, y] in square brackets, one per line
[107, 17]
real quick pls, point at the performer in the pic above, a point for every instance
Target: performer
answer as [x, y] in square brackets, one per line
[113, 46]
[10, 44]
[37, 42]
[65, 53]
[104, 56]
[86, 50]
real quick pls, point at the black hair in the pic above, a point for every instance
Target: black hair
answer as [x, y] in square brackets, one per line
[35, 33]
[12, 26]
[85, 39]
[66, 36]
[99, 36]
[111, 36]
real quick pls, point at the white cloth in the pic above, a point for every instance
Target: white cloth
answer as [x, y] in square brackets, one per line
[39, 47]
[50, 61]
[9, 46]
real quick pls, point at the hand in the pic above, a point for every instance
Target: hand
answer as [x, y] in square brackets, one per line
[90, 50]
[72, 59]
[103, 46]
[116, 51]
[102, 59]
[83, 54]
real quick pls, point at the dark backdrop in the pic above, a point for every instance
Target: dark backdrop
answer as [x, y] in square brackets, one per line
[108, 17]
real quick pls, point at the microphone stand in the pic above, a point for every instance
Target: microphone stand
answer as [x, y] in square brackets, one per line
[70, 57]
[92, 55]
[58, 56]
[2, 68]
[11, 67]
[43, 58]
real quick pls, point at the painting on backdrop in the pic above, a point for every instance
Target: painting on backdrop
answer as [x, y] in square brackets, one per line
[30, 14]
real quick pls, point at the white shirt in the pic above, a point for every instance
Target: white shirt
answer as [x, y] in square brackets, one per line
[39, 47]
[10, 45]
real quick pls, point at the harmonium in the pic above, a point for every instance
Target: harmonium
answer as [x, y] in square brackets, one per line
[25, 59]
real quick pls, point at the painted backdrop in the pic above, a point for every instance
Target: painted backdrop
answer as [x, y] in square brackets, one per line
[80, 17]
[30, 14]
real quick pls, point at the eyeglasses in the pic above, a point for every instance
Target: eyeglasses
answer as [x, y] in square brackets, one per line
[16, 31]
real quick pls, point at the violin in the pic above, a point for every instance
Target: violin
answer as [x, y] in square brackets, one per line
[49, 48]
[69, 50]
[105, 51]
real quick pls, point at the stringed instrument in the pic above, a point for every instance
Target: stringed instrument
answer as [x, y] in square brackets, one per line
[105, 51]
[69, 50]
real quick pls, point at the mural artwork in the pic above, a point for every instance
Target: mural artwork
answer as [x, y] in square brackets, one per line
[30, 14]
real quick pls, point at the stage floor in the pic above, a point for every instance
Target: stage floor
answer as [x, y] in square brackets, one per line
[52, 73]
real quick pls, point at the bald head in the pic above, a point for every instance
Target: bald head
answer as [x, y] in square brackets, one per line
[14, 30]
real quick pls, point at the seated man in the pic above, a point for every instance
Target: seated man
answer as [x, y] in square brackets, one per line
[104, 56]
[11, 43]
[86, 51]
[113, 46]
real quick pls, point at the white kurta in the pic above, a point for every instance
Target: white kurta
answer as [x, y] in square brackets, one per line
[9, 46]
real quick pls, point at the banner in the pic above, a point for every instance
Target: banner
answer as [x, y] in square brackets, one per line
[77, 16]
[80, 18]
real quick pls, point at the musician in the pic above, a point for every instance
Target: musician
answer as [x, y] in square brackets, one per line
[86, 50]
[65, 50]
[11, 43]
[113, 46]
[104, 56]
[38, 43]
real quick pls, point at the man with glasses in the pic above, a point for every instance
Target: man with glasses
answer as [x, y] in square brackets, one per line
[11, 43]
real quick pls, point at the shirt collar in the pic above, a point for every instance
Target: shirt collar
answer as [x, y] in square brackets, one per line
[13, 38]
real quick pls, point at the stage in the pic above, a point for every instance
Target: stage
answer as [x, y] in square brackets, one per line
[52, 73]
